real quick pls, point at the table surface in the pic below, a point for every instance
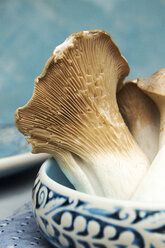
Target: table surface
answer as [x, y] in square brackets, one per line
[16, 190]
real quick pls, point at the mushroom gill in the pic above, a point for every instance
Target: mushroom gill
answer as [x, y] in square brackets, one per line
[73, 115]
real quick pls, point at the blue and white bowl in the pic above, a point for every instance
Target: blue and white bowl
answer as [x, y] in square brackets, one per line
[68, 218]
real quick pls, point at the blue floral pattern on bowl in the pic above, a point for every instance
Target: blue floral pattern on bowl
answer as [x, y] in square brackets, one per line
[69, 221]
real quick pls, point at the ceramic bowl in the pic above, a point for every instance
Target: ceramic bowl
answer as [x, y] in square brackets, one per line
[68, 218]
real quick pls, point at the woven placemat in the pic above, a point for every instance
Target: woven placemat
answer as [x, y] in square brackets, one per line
[20, 230]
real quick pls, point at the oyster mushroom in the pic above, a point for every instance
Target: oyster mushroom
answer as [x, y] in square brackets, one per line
[154, 87]
[141, 116]
[152, 186]
[73, 115]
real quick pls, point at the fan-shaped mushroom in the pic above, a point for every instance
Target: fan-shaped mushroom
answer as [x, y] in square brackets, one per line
[73, 115]
[154, 87]
[152, 186]
[141, 116]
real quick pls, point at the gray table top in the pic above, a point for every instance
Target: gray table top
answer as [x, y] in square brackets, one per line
[15, 190]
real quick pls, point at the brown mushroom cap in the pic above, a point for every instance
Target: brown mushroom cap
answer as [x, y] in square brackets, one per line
[141, 116]
[75, 97]
[155, 84]
[154, 87]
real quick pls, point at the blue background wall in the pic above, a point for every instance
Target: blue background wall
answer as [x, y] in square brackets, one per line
[30, 30]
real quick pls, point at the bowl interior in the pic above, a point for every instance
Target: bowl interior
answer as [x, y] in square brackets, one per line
[54, 172]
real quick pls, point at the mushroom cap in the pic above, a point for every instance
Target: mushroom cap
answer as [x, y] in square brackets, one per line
[135, 105]
[155, 84]
[141, 115]
[74, 99]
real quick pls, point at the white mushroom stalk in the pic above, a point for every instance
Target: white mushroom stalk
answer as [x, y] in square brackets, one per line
[154, 87]
[73, 115]
[152, 187]
[141, 116]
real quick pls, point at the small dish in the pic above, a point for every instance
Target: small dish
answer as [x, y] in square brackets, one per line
[13, 164]
[68, 218]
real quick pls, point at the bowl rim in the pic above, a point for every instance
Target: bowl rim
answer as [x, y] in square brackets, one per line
[66, 191]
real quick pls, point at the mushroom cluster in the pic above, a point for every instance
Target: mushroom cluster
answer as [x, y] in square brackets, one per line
[104, 133]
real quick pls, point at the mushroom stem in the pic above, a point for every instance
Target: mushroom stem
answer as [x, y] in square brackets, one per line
[152, 187]
[72, 166]
[115, 173]
[105, 174]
